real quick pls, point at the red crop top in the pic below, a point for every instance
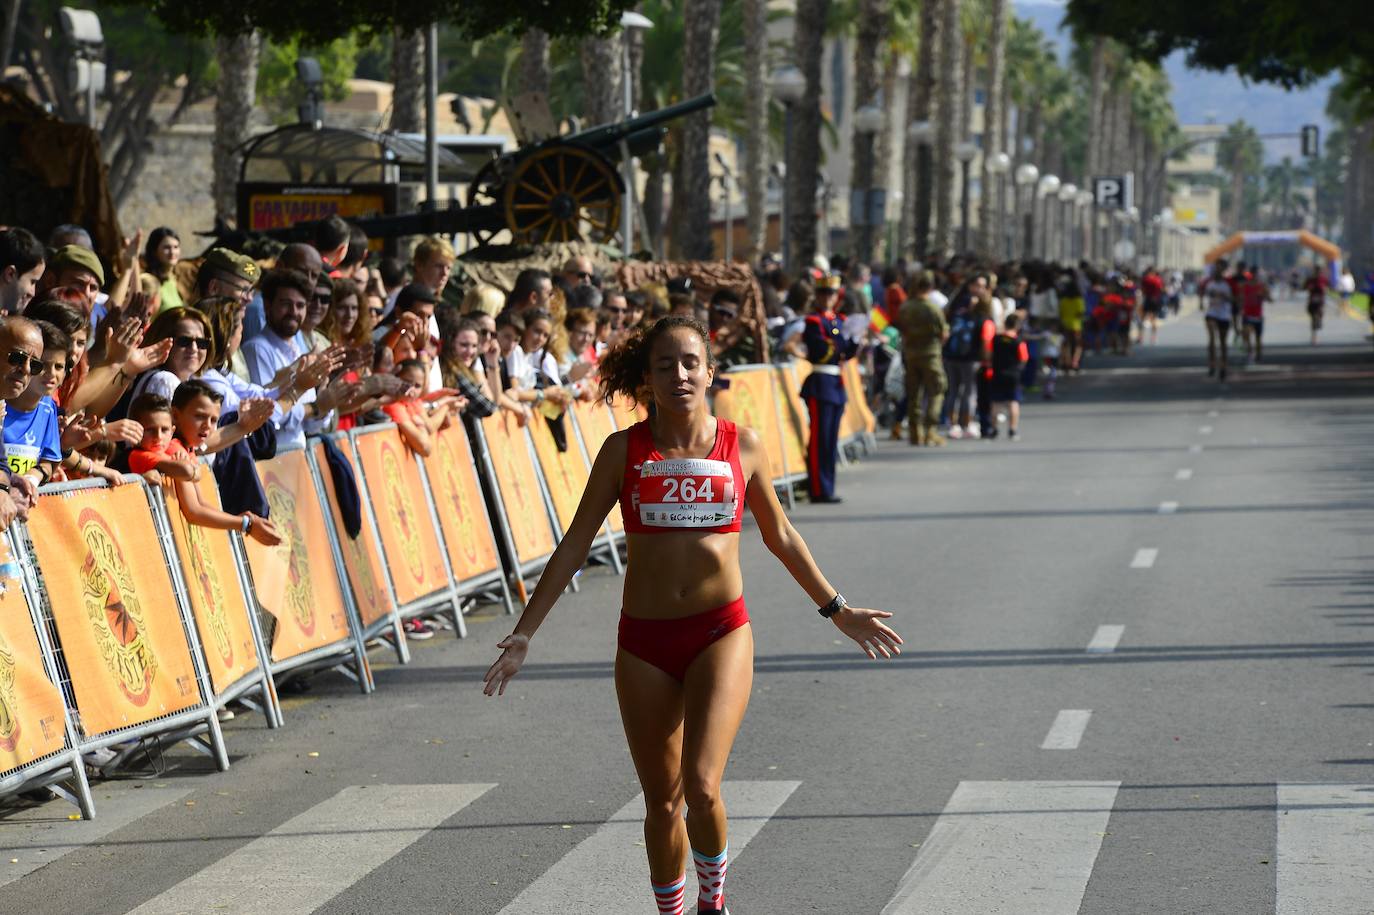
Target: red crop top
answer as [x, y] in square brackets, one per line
[661, 495]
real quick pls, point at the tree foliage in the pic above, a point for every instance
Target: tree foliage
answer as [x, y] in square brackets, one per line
[318, 22]
[1289, 42]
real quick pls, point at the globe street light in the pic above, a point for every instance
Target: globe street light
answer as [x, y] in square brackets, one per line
[788, 85]
[999, 165]
[1025, 177]
[965, 152]
[868, 120]
[922, 133]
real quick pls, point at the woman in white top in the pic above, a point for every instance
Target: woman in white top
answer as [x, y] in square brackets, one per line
[1219, 299]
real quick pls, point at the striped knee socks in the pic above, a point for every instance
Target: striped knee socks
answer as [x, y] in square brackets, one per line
[711, 878]
[669, 895]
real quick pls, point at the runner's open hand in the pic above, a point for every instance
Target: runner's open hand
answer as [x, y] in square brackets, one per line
[508, 665]
[868, 629]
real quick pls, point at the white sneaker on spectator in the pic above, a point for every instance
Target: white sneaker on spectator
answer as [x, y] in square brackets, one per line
[955, 432]
[972, 431]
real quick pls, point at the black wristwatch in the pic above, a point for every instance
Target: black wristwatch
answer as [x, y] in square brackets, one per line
[837, 603]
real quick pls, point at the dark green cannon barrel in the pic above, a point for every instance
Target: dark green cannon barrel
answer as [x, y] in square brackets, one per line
[643, 131]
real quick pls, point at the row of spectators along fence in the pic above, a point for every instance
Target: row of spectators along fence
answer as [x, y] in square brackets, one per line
[122, 625]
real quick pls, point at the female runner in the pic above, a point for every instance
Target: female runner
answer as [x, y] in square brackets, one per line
[684, 667]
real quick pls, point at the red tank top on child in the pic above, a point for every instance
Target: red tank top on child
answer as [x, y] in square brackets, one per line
[661, 495]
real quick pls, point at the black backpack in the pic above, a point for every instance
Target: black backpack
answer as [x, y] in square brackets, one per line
[1006, 356]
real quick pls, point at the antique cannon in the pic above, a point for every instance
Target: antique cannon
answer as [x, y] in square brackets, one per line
[560, 189]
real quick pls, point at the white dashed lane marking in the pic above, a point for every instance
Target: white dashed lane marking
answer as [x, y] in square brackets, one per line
[1185, 474]
[1105, 639]
[1067, 731]
[1204, 430]
[1194, 449]
[1145, 558]
[1168, 508]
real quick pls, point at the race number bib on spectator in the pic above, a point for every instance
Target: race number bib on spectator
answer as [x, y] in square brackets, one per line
[691, 492]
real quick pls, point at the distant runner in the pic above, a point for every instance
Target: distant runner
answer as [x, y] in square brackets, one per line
[1316, 299]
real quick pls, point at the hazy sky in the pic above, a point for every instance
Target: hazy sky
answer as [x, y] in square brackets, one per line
[1202, 95]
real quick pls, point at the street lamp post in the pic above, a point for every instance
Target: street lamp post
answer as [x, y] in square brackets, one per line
[81, 29]
[1047, 188]
[1025, 177]
[629, 20]
[964, 152]
[999, 165]
[922, 133]
[1067, 194]
[868, 120]
[1082, 224]
[788, 86]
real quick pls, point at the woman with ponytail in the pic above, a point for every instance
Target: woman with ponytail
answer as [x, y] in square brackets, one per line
[685, 662]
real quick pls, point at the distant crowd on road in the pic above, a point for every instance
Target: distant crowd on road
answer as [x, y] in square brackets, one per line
[953, 347]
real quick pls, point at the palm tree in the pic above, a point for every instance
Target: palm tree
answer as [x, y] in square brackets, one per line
[601, 92]
[870, 23]
[1239, 153]
[804, 157]
[535, 75]
[993, 121]
[922, 91]
[237, 57]
[757, 152]
[947, 123]
[692, 178]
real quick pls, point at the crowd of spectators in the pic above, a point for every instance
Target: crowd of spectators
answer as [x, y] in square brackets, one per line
[152, 364]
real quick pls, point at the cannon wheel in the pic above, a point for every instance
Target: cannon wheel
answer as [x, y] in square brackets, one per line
[555, 192]
[485, 190]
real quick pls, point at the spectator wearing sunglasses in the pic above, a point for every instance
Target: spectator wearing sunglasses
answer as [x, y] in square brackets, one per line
[192, 339]
[578, 271]
[311, 339]
[33, 446]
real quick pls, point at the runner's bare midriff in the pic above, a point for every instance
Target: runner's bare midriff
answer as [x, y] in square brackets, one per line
[681, 574]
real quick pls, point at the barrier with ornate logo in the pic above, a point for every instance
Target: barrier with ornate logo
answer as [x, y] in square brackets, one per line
[123, 642]
[468, 534]
[359, 557]
[298, 583]
[566, 473]
[210, 574]
[396, 493]
[515, 494]
[38, 744]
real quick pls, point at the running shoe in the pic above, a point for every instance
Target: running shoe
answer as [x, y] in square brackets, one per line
[418, 629]
[956, 432]
[1013, 436]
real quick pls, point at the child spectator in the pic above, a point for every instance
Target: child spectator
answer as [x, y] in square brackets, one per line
[417, 427]
[1009, 356]
[171, 432]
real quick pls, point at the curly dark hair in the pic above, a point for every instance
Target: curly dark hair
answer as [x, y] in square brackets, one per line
[623, 367]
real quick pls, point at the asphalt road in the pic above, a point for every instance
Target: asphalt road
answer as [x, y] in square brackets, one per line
[1140, 644]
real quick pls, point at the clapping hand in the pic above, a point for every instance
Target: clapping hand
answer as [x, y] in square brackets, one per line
[868, 629]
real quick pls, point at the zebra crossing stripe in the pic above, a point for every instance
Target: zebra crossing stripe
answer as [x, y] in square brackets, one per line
[1325, 849]
[607, 871]
[311, 858]
[35, 838]
[1008, 848]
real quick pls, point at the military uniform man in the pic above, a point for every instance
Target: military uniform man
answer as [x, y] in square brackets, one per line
[823, 389]
[924, 331]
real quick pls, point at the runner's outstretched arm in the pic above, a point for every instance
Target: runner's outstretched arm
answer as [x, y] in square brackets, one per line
[863, 626]
[603, 489]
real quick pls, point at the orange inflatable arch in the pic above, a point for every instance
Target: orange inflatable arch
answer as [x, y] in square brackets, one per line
[1302, 237]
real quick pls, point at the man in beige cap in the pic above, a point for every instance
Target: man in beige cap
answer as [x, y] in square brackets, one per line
[78, 267]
